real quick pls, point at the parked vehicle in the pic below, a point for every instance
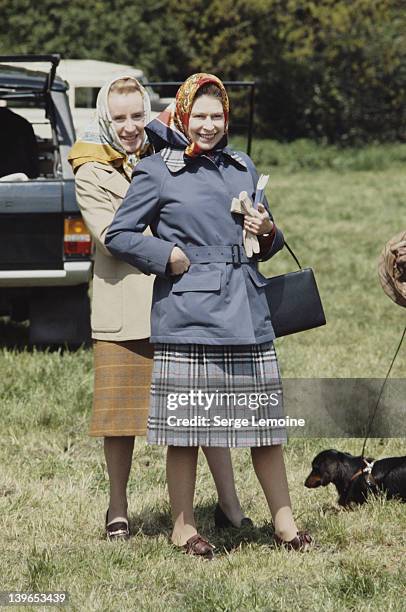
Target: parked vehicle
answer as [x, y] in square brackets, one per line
[85, 78]
[45, 247]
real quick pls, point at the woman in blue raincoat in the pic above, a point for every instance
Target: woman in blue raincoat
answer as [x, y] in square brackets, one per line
[210, 321]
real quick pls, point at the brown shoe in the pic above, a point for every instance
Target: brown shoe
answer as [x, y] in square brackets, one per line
[301, 542]
[199, 546]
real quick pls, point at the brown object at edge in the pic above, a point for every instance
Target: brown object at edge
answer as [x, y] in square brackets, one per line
[392, 268]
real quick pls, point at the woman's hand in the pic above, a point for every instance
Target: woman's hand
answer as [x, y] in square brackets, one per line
[260, 224]
[178, 261]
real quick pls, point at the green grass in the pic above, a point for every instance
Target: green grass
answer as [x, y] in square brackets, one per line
[53, 483]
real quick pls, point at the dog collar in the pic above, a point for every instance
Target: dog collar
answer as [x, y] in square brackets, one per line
[366, 470]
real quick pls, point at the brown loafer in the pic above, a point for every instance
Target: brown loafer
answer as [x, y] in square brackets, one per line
[301, 542]
[199, 546]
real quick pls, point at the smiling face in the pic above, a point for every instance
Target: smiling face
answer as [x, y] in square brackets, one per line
[206, 123]
[127, 113]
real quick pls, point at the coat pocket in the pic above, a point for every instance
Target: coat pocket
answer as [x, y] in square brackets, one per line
[209, 280]
[195, 302]
[107, 305]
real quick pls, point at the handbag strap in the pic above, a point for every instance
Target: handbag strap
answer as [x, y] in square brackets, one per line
[293, 255]
[254, 177]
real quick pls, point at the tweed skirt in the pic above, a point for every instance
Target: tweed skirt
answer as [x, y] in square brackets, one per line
[122, 378]
[225, 396]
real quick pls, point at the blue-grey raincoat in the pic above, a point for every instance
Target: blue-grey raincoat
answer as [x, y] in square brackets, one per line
[221, 298]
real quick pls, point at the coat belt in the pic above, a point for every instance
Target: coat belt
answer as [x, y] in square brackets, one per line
[234, 254]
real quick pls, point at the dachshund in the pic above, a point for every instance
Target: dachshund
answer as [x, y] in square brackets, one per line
[356, 477]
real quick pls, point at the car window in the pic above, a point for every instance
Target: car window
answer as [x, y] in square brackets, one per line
[85, 97]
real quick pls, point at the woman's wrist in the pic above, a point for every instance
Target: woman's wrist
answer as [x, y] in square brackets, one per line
[269, 233]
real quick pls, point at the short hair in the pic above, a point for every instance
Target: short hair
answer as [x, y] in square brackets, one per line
[125, 86]
[209, 89]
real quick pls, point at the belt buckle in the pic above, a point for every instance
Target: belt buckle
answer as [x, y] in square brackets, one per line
[235, 254]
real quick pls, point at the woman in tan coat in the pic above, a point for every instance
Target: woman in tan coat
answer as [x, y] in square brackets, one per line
[103, 160]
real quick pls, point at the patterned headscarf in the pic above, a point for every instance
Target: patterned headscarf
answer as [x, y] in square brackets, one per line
[171, 127]
[184, 102]
[100, 141]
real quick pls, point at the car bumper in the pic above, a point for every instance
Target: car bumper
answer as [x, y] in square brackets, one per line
[73, 273]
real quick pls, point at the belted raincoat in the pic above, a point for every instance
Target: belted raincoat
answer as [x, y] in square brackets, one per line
[221, 299]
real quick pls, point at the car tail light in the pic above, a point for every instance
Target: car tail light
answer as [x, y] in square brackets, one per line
[76, 240]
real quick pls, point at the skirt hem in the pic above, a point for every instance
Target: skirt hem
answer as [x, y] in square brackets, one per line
[116, 434]
[276, 442]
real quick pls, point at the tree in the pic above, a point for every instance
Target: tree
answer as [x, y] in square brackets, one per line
[331, 69]
[341, 70]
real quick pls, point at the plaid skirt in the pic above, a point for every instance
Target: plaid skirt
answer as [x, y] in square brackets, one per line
[205, 395]
[122, 378]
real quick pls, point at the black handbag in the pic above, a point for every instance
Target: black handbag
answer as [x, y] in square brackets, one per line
[294, 301]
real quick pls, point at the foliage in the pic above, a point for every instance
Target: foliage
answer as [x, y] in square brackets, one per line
[342, 70]
[332, 69]
[306, 154]
[111, 30]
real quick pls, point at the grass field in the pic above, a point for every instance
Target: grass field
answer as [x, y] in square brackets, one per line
[53, 484]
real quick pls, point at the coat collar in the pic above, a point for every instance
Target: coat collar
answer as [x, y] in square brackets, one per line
[111, 179]
[176, 160]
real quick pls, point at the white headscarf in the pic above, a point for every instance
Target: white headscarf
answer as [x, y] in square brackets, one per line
[100, 141]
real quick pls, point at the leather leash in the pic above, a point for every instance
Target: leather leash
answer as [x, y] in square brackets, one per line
[381, 392]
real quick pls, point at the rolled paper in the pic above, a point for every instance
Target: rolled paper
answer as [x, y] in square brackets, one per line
[259, 193]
